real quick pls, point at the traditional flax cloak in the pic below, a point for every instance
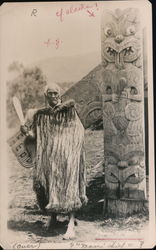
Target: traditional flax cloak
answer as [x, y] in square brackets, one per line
[59, 173]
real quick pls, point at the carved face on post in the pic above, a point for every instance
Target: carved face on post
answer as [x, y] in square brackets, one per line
[120, 40]
[124, 175]
[123, 112]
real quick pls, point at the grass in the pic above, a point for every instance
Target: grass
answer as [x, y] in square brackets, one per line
[26, 218]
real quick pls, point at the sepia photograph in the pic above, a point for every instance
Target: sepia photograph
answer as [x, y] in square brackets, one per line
[77, 125]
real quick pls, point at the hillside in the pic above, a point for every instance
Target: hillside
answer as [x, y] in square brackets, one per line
[69, 69]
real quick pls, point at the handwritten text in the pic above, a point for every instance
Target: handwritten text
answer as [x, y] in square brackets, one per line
[61, 13]
[108, 244]
[33, 13]
[53, 42]
[26, 245]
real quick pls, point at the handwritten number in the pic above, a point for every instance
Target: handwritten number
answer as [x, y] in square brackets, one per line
[47, 43]
[57, 42]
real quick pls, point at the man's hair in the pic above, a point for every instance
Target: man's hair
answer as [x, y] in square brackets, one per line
[52, 87]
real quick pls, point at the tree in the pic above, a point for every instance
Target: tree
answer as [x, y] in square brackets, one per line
[28, 87]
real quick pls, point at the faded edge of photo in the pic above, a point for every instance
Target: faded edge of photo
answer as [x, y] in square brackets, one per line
[3, 143]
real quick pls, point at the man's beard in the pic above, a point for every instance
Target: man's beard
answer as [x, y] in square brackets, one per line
[53, 102]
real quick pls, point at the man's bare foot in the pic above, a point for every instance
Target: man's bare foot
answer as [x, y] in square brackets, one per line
[51, 222]
[70, 234]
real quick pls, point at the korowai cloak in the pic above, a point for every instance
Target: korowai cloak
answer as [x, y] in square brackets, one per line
[59, 173]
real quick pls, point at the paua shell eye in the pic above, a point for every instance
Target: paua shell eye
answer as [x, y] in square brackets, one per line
[130, 30]
[108, 31]
[134, 160]
[108, 90]
[133, 91]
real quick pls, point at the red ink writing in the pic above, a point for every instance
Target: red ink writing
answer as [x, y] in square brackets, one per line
[91, 13]
[96, 6]
[47, 43]
[55, 42]
[61, 13]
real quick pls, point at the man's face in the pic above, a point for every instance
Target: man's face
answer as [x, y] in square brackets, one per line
[52, 97]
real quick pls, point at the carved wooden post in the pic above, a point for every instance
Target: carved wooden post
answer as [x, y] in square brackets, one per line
[123, 112]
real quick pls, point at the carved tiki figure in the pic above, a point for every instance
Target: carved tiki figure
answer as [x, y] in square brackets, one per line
[123, 105]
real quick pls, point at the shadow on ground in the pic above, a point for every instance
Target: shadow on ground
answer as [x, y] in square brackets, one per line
[29, 225]
[37, 227]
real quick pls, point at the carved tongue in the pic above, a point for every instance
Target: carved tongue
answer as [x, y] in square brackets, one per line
[119, 62]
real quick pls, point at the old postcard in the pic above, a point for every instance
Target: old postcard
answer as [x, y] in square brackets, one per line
[76, 125]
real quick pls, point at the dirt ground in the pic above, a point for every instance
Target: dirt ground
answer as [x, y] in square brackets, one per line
[26, 221]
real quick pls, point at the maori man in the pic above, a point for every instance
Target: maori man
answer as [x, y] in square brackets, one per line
[59, 173]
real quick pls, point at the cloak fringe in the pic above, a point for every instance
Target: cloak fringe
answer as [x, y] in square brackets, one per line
[60, 173]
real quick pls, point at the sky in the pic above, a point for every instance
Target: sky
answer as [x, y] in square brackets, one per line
[25, 35]
[28, 37]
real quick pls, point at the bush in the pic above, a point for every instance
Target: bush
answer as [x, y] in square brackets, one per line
[28, 86]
